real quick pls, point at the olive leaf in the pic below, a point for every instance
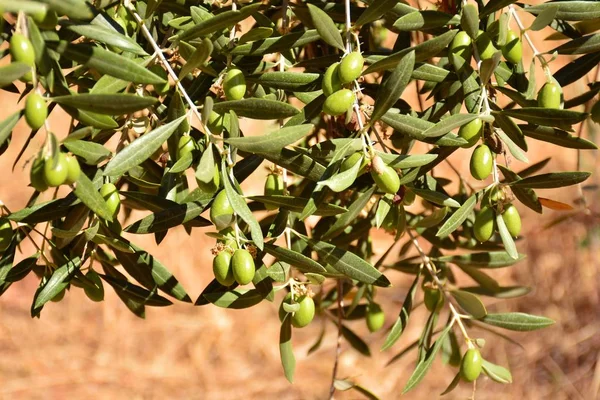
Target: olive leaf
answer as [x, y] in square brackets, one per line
[392, 87]
[516, 321]
[326, 27]
[400, 324]
[272, 142]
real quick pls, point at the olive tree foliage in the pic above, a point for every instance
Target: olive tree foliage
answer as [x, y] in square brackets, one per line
[156, 91]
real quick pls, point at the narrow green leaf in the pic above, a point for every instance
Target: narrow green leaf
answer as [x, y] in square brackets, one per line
[351, 215]
[543, 19]
[285, 80]
[569, 10]
[492, 259]
[458, 217]
[7, 126]
[448, 124]
[136, 293]
[169, 218]
[355, 341]
[11, 72]
[525, 195]
[91, 153]
[516, 321]
[436, 197]
[255, 108]
[577, 69]
[108, 36]
[494, 5]
[110, 104]
[198, 58]
[496, 373]
[470, 303]
[294, 258]
[507, 240]
[552, 180]
[297, 204]
[326, 27]
[257, 33]
[402, 320]
[272, 142]
[217, 23]
[424, 20]
[469, 20]
[277, 44]
[57, 282]
[236, 299]
[392, 87]
[87, 192]
[286, 352]
[558, 137]
[342, 180]
[374, 11]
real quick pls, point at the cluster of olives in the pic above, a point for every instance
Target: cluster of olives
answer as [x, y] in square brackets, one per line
[485, 221]
[337, 79]
[53, 172]
[238, 267]
[306, 311]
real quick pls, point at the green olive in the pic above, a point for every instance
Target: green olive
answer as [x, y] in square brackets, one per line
[433, 298]
[213, 185]
[375, 317]
[186, 145]
[234, 84]
[222, 268]
[161, 72]
[485, 47]
[471, 365]
[387, 179]
[48, 21]
[59, 296]
[471, 132]
[36, 111]
[460, 46]
[481, 162]
[56, 175]
[21, 50]
[352, 159]
[550, 96]
[274, 187]
[215, 123]
[513, 49]
[409, 197]
[331, 81]
[221, 212]
[110, 194]
[6, 234]
[339, 102]
[305, 313]
[36, 175]
[595, 112]
[73, 169]
[242, 265]
[97, 292]
[512, 220]
[350, 67]
[485, 224]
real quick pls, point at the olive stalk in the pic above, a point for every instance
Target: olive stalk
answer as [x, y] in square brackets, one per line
[536, 53]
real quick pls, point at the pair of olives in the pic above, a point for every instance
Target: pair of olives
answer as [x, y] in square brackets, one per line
[48, 172]
[550, 95]
[304, 315]
[460, 46]
[234, 84]
[274, 186]
[485, 222]
[186, 145]
[337, 76]
[21, 50]
[6, 234]
[238, 267]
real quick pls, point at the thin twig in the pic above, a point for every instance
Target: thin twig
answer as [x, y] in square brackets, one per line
[338, 347]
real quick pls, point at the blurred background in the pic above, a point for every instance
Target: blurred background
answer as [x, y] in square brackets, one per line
[80, 349]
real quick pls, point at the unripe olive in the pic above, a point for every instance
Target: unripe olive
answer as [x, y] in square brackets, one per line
[215, 123]
[97, 292]
[59, 296]
[595, 112]
[160, 71]
[433, 298]
[460, 46]
[6, 234]
[485, 224]
[385, 177]
[73, 169]
[409, 197]
[471, 132]
[351, 67]
[550, 95]
[481, 162]
[21, 50]
[56, 175]
[513, 49]
[512, 220]
[47, 21]
[485, 47]
[214, 184]
[36, 111]
[186, 145]
[274, 187]
[242, 265]
[339, 102]
[375, 317]
[110, 194]
[352, 159]
[36, 175]
[222, 268]
[471, 365]
[221, 212]
[234, 84]
[305, 313]
[331, 80]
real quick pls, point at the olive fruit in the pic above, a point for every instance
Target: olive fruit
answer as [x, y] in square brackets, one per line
[55, 173]
[460, 46]
[234, 84]
[485, 47]
[485, 224]
[222, 268]
[95, 293]
[242, 265]
[186, 145]
[385, 177]
[595, 112]
[513, 49]
[339, 102]
[274, 187]
[375, 317]
[331, 81]
[481, 162]
[73, 169]
[305, 313]
[36, 175]
[212, 185]
[471, 365]
[433, 298]
[21, 50]
[221, 212]
[471, 132]
[351, 161]
[215, 123]
[48, 20]
[161, 72]
[409, 197]
[6, 234]
[110, 194]
[512, 220]
[351, 67]
[36, 111]
[550, 95]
